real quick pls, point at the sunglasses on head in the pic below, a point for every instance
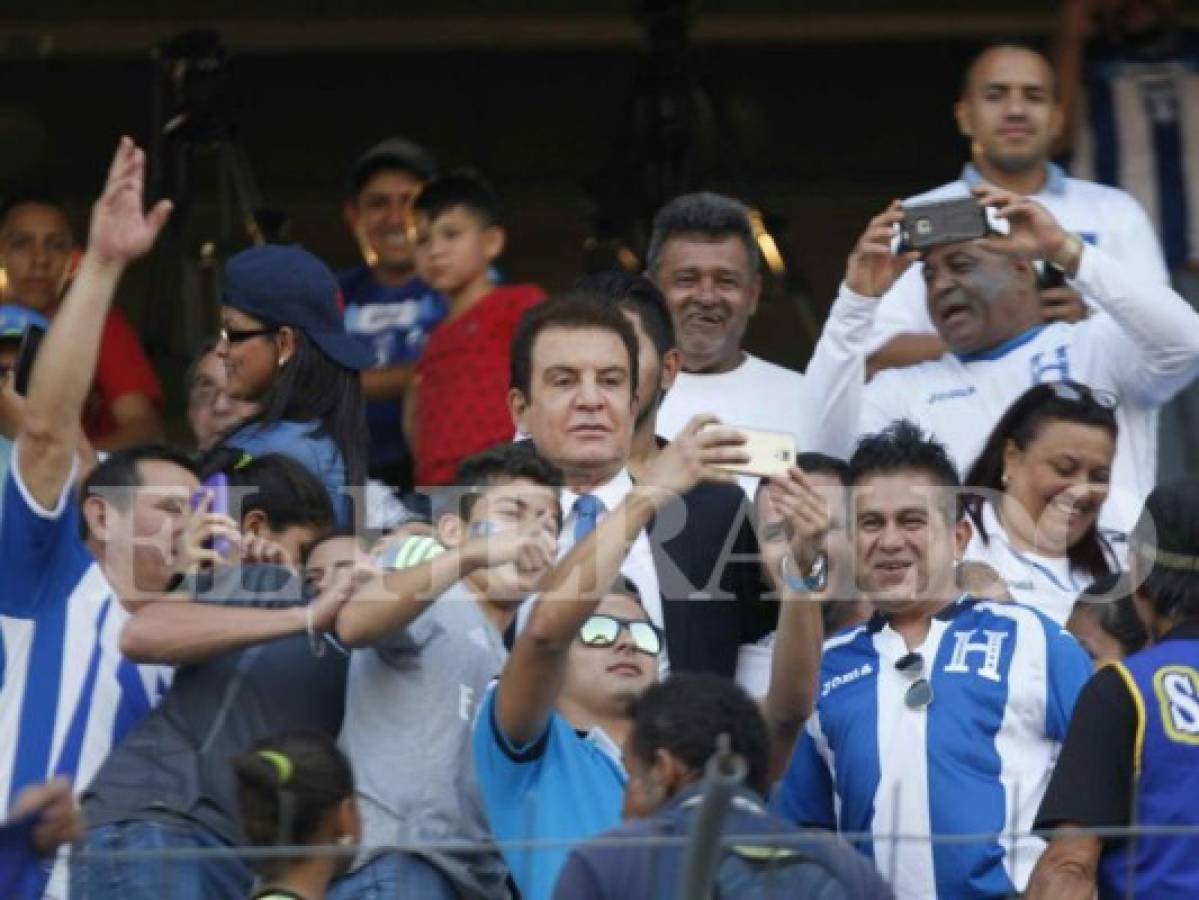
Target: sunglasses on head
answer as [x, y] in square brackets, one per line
[603, 631]
[1073, 392]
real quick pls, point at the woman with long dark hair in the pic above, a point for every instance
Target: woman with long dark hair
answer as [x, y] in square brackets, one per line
[1042, 478]
[285, 347]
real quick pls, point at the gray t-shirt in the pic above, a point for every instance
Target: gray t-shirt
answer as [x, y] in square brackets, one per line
[410, 706]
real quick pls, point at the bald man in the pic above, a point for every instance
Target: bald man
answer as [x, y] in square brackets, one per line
[1009, 112]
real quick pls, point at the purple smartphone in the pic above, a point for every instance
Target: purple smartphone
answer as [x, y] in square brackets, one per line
[218, 485]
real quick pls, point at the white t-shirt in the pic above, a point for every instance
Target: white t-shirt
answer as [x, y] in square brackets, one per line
[820, 408]
[1046, 583]
[1104, 217]
[1144, 351]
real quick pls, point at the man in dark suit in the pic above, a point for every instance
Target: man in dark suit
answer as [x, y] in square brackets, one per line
[696, 565]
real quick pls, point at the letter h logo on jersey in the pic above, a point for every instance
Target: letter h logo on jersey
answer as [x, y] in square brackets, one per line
[990, 647]
[1042, 369]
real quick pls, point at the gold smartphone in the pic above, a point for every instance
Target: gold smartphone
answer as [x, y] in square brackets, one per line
[771, 453]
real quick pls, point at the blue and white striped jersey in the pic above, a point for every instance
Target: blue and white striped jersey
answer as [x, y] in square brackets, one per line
[67, 695]
[1138, 129]
[976, 760]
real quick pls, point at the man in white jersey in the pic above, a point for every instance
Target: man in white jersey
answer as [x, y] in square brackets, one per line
[704, 260]
[983, 300]
[68, 695]
[1008, 112]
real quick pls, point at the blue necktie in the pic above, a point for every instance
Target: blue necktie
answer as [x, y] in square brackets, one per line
[587, 509]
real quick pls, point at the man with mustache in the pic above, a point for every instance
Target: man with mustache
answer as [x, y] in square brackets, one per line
[704, 259]
[982, 298]
[1008, 111]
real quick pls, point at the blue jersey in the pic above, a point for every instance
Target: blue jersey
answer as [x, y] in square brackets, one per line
[397, 322]
[67, 695]
[1163, 682]
[976, 760]
[560, 789]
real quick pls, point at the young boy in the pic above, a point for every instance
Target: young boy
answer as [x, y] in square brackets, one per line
[458, 404]
[431, 639]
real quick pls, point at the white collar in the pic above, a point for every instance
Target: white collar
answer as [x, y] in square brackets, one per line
[611, 493]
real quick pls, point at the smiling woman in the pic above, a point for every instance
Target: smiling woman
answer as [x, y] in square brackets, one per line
[284, 347]
[1041, 481]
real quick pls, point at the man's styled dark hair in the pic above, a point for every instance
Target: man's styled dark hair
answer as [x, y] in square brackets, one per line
[286, 786]
[277, 486]
[685, 714]
[638, 295]
[712, 217]
[1022, 423]
[461, 188]
[1006, 43]
[574, 311]
[901, 447]
[117, 476]
[503, 464]
[1166, 543]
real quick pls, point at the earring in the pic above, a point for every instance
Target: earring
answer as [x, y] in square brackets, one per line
[282, 363]
[1004, 479]
[345, 840]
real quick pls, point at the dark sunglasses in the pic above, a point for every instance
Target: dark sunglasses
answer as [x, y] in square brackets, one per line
[1073, 392]
[603, 631]
[237, 336]
[920, 692]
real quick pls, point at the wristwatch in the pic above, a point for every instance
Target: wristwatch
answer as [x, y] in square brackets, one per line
[816, 579]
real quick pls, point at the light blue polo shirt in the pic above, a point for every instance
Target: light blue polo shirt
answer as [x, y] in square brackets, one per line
[561, 787]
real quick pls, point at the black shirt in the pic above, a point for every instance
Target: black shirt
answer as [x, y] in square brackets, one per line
[1092, 783]
[175, 762]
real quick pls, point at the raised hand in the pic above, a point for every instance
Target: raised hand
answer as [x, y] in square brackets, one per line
[1034, 232]
[121, 230]
[530, 548]
[693, 455]
[802, 510]
[873, 267]
[200, 538]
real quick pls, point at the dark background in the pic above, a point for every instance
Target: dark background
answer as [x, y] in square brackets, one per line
[834, 108]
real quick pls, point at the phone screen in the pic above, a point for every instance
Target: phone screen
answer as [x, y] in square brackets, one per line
[216, 484]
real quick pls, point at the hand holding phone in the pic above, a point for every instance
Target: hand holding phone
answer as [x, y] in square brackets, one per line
[771, 453]
[215, 486]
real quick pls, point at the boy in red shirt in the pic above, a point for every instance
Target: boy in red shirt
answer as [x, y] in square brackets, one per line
[457, 406]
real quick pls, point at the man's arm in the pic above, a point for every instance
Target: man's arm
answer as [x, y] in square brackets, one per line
[528, 689]
[799, 640]
[905, 350]
[393, 600]
[387, 382]
[1068, 869]
[835, 374]
[180, 629]
[62, 374]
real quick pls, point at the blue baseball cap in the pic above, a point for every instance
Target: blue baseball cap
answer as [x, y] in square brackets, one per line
[287, 285]
[15, 319]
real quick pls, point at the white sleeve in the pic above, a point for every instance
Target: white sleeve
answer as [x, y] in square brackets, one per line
[1149, 341]
[902, 310]
[836, 374]
[881, 403]
[1136, 245]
